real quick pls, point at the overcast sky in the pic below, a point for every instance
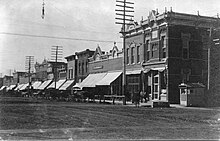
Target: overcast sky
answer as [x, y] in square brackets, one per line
[72, 19]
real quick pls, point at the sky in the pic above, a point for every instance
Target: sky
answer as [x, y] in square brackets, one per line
[80, 24]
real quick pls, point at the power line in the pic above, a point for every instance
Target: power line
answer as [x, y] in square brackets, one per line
[55, 37]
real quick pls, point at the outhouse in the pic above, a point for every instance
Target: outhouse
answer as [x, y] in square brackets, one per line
[192, 94]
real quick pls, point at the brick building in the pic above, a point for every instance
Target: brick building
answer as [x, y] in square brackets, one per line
[46, 70]
[71, 67]
[82, 64]
[105, 72]
[167, 49]
[20, 77]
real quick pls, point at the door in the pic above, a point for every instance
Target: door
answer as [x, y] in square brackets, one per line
[156, 87]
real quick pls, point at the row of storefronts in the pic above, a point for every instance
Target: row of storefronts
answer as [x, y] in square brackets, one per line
[161, 52]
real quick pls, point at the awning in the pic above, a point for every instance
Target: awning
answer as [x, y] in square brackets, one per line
[44, 85]
[92, 79]
[66, 85]
[58, 84]
[36, 84]
[129, 72]
[160, 69]
[192, 85]
[3, 87]
[77, 86]
[147, 70]
[24, 86]
[109, 78]
[19, 87]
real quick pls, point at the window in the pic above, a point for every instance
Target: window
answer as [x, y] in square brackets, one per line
[127, 55]
[163, 42]
[132, 55]
[79, 68]
[186, 72]
[86, 66]
[164, 55]
[185, 45]
[147, 50]
[153, 50]
[70, 73]
[82, 68]
[138, 54]
[163, 45]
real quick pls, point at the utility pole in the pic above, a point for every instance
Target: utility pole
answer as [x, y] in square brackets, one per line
[28, 65]
[56, 54]
[123, 12]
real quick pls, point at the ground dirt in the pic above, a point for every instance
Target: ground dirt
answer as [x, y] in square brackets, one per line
[25, 119]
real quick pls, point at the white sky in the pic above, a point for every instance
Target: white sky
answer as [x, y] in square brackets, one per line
[81, 19]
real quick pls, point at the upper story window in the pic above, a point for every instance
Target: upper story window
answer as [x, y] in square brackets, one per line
[82, 68]
[185, 45]
[86, 66]
[138, 54]
[163, 45]
[154, 48]
[185, 72]
[147, 50]
[79, 67]
[127, 55]
[132, 55]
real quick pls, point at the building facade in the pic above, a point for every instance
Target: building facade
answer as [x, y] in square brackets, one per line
[20, 77]
[46, 70]
[165, 50]
[82, 64]
[71, 67]
[109, 64]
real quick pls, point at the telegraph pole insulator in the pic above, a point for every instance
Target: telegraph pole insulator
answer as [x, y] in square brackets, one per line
[42, 16]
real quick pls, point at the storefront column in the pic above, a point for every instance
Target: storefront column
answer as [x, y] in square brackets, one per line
[152, 85]
[159, 84]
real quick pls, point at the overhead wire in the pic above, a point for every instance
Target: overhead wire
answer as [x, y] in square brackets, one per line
[56, 37]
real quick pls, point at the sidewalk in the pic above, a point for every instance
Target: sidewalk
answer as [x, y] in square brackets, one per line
[149, 104]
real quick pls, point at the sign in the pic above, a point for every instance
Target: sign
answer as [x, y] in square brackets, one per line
[98, 67]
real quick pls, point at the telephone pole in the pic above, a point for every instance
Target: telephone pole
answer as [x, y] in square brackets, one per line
[28, 65]
[125, 8]
[56, 54]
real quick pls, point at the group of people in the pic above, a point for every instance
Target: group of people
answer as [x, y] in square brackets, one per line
[139, 97]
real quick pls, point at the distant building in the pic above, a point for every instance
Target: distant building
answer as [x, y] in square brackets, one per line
[7, 80]
[46, 70]
[82, 64]
[1, 82]
[20, 77]
[71, 67]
